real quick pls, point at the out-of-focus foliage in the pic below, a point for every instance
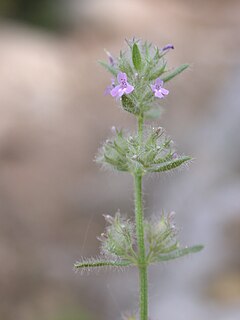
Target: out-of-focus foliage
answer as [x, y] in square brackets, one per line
[72, 315]
[48, 14]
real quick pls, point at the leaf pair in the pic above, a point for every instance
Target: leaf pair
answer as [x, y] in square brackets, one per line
[119, 246]
[128, 153]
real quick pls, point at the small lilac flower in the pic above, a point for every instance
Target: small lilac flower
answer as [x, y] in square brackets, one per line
[109, 88]
[158, 89]
[110, 58]
[175, 155]
[123, 88]
[167, 47]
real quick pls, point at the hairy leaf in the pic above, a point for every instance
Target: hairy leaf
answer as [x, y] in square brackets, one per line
[128, 104]
[169, 165]
[109, 68]
[157, 73]
[136, 57]
[179, 253]
[175, 72]
[98, 263]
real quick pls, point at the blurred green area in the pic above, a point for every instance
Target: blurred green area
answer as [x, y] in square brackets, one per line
[47, 14]
[72, 315]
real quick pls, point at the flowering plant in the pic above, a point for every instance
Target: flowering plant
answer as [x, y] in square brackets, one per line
[138, 84]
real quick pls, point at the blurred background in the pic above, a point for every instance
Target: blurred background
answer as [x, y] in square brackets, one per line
[54, 117]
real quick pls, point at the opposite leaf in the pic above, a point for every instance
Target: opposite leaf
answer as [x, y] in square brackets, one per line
[175, 72]
[88, 264]
[169, 165]
[136, 57]
[179, 253]
[109, 68]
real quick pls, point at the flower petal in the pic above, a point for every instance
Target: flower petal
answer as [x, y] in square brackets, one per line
[159, 82]
[121, 77]
[129, 89]
[153, 87]
[167, 47]
[114, 91]
[158, 94]
[108, 90]
[164, 91]
[121, 92]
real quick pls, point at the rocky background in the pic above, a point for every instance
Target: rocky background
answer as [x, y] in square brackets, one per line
[53, 118]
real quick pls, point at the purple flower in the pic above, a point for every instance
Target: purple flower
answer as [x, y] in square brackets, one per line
[109, 88]
[158, 89]
[167, 47]
[175, 155]
[111, 59]
[123, 88]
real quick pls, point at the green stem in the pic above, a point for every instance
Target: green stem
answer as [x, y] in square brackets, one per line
[142, 266]
[140, 126]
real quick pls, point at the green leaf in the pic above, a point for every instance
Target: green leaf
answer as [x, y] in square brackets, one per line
[169, 165]
[119, 149]
[147, 52]
[125, 66]
[128, 104]
[97, 263]
[109, 68]
[166, 158]
[117, 164]
[136, 57]
[175, 72]
[179, 253]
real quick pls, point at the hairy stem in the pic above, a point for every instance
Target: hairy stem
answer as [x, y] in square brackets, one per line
[142, 266]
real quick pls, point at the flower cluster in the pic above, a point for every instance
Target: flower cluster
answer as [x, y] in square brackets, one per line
[119, 247]
[139, 78]
[161, 237]
[119, 239]
[161, 241]
[155, 154]
[125, 88]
